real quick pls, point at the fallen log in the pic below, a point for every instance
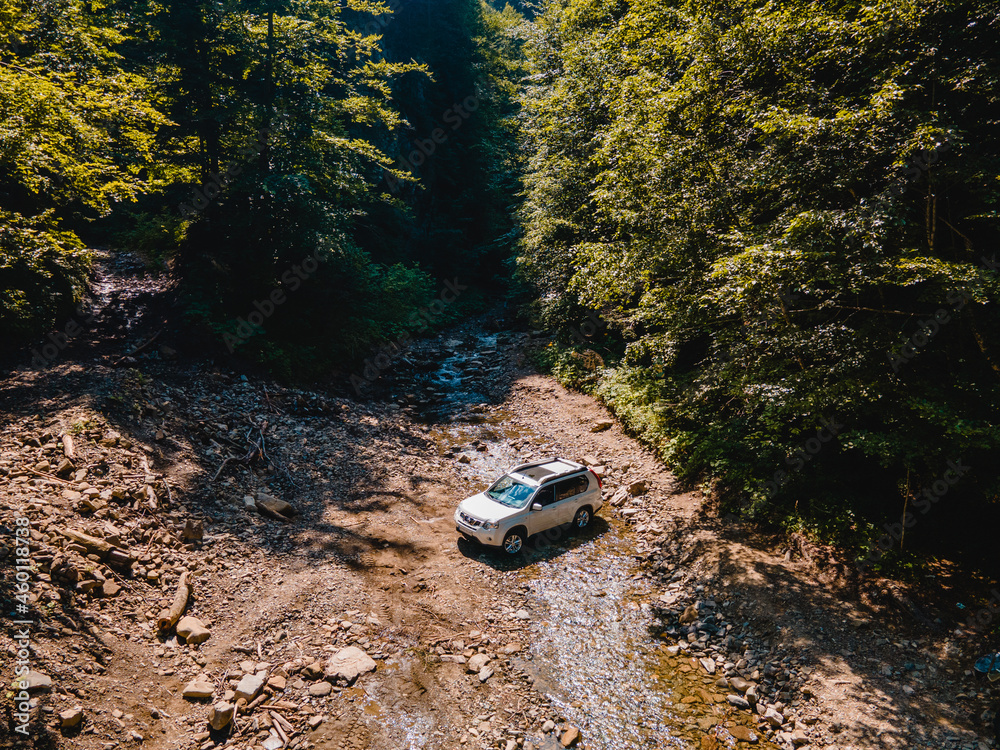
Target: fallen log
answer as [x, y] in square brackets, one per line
[105, 550]
[68, 449]
[170, 616]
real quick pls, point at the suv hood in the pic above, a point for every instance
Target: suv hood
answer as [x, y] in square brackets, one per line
[485, 509]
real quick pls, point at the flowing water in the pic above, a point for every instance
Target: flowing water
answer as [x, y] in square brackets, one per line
[596, 648]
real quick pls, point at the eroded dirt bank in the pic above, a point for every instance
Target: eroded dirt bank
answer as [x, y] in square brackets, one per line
[659, 627]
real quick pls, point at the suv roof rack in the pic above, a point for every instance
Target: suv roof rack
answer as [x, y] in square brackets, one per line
[548, 469]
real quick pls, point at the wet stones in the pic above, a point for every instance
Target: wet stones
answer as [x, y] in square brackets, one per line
[739, 684]
[739, 701]
[743, 734]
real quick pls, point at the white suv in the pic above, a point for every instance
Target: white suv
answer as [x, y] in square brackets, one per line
[529, 499]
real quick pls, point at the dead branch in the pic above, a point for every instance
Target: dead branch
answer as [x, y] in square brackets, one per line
[68, 449]
[48, 476]
[257, 452]
[97, 546]
[169, 617]
[138, 349]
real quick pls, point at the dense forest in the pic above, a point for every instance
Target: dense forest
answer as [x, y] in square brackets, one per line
[765, 234]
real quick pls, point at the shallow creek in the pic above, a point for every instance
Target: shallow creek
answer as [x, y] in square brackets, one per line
[595, 647]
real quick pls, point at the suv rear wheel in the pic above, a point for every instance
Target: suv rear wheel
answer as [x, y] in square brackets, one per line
[582, 518]
[513, 541]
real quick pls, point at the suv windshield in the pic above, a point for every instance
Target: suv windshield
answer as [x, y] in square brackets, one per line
[510, 492]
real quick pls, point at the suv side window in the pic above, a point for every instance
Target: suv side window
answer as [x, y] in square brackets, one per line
[571, 487]
[544, 496]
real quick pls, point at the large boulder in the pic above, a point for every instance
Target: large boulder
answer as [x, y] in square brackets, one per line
[220, 715]
[348, 663]
[199, 687]
[250, 685]
[192, 630]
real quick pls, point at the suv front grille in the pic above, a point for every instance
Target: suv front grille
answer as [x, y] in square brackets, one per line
[469, 520]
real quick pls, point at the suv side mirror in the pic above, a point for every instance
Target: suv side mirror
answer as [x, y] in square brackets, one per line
[536, 506]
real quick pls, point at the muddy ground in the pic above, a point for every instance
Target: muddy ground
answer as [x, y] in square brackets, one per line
[651, 629]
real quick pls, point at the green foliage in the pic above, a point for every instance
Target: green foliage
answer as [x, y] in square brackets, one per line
[235, 139]
[155, 237]
[765, 202]
[76, 141]
[42, 273]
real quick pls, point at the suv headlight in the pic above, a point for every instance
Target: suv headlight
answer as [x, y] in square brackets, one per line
[488, 525]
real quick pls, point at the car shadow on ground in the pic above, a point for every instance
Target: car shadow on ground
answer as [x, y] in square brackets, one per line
[538, 548]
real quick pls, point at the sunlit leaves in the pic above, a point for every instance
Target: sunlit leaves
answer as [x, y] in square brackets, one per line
[773, 197]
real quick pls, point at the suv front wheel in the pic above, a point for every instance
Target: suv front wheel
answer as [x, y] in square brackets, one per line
[513, 541]
[582, 518]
